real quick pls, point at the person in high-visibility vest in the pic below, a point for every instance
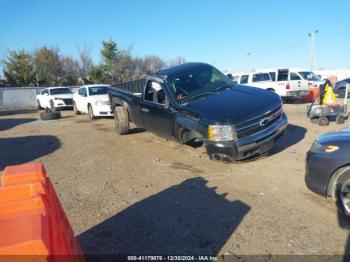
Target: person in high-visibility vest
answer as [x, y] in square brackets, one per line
[328, 97]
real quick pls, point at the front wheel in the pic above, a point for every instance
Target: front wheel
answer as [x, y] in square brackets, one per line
[323, 121]
[75, 109]
[121, 120]
[52, 106]
[91, 112]
[342, 190]
[39, 105]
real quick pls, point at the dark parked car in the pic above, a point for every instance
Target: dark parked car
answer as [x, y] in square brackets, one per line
[328, 168]
[196, 102]
[340, 86]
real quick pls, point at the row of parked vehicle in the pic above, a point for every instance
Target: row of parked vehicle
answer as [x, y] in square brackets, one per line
[286, 82]
[195, 102]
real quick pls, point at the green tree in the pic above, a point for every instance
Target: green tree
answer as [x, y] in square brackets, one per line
[110, 55]
[97, 74]
[48, 66]
[18, 69]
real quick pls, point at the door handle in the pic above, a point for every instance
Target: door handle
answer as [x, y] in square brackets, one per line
[146, 110]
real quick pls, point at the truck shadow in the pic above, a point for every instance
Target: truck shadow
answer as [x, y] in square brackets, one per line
[19, 150]
[293, 135]
[9, 123]
[188, 218]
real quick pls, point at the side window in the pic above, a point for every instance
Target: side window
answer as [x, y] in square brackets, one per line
[294, 76]
[244, 79]
[261, 77]
[273, 76]
[154, 93]
[46, 91]
[235, 79]
[282, 75]
[82, 91]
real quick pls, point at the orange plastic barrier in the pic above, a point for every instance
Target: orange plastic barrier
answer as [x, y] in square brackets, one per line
[313, 93]
[32, 220]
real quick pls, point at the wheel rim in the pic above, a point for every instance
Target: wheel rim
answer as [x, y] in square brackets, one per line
[345, 196]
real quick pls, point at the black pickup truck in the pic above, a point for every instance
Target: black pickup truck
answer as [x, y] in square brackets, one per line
[196, 102]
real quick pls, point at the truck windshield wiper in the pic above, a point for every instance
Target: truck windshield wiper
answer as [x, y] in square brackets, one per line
[201, 95]
[222, 87]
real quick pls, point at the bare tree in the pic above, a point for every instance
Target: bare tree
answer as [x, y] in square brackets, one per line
[84, 62]
[177, 61]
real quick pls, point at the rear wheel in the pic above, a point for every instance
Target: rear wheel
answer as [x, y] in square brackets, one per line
[340, 119]
[323, 121]
[121, 120]
[91, 112]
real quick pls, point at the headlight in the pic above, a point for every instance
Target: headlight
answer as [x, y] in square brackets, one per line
[220, 133]
[102, 103]
[319, 148]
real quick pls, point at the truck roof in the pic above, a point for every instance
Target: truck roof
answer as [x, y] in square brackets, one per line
[174, 70]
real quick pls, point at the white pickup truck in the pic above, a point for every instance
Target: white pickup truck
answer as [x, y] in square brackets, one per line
[55, 98]
[92, 100]
[282, 81]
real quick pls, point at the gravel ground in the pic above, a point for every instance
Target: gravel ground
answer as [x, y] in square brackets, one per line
[141, 194]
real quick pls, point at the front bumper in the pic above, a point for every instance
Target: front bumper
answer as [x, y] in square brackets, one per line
[255, 144]
[64, 103]
[319, 168]
[298, 94]
[102, 110]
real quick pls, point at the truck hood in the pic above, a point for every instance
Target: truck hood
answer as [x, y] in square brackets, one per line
[235, 105]
[63, 96]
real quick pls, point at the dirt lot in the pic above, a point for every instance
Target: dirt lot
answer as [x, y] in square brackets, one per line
[141, 194]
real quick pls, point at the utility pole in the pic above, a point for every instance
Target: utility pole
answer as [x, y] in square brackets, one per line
[312, 49]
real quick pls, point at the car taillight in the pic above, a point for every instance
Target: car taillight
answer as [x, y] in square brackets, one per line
[287, 86]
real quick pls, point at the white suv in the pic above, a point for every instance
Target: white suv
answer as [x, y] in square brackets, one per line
[281, 81]
[55, 98]
[92, 100]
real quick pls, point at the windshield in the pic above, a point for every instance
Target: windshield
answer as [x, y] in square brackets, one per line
[198, 81]
[60, 91]
[98, 90]
[309, 76]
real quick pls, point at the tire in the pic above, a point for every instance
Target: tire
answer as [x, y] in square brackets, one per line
[323, 121]
[340, 119]
[121, 120]
[39, 106]
[76, 111]
[342, 190]
[52, 106]
[50, 115]
[91, 112]
[314, 120]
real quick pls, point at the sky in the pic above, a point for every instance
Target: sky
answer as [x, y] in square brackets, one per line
[233, 35]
